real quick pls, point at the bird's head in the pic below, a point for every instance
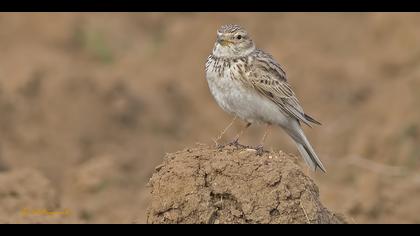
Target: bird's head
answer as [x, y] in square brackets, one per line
[233, 41]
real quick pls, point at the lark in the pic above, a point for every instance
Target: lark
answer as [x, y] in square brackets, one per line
[248, 83]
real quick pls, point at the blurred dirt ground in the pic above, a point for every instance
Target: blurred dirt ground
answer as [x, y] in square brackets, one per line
[91, 102]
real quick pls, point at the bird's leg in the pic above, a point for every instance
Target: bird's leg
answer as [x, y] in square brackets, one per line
[235, 142]
[260, 147]
[266, 132]
[216, 141]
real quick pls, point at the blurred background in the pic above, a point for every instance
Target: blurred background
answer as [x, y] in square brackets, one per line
[91, 102]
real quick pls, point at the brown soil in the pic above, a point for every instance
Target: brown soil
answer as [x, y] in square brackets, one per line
[22, 192]
[234, 185]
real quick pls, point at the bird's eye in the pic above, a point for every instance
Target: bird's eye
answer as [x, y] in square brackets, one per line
[239, 37]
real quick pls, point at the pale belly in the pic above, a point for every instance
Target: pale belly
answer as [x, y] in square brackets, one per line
[238, 100]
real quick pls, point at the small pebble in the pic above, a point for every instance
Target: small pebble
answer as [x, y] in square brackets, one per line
[159, 167]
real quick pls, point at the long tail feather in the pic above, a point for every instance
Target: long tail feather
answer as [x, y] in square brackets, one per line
[310, 157]
[305, 148]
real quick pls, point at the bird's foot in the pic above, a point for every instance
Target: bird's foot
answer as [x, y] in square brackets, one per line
[234, 142]
[260, 150]
[220, 146]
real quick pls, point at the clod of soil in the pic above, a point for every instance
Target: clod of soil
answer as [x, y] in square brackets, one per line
[234, 185]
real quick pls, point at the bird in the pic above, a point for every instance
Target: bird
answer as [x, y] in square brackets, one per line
[249, 83]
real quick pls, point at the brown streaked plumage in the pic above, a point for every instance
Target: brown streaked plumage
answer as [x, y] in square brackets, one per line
[248, 83]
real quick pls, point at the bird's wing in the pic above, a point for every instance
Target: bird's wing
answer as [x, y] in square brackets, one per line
[268, 78]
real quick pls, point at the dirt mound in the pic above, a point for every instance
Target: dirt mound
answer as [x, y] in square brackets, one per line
[234, 185]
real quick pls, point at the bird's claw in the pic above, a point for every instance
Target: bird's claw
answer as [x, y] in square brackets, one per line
[260, 150]
[220, 146]
[235, 142]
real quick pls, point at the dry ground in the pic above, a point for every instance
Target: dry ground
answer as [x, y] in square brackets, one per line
[234, 185]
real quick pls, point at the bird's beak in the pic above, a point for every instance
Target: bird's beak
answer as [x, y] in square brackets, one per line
[223, 42]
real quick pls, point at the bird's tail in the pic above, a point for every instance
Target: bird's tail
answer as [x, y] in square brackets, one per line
[306, 151]
[310, 157]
